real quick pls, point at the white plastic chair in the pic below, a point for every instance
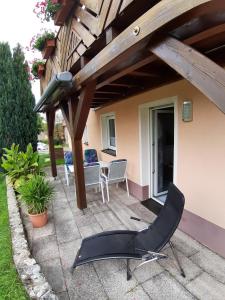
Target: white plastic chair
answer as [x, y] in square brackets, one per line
[93, 179]
[116, 173]
[68, 166]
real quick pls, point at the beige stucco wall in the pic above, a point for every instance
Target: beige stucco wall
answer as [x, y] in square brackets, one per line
[201, 146]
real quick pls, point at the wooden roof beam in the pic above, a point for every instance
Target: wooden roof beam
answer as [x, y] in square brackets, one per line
[206, 34]
[199, 70]
[129, 42]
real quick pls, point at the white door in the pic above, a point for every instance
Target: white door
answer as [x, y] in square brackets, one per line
[162, 151]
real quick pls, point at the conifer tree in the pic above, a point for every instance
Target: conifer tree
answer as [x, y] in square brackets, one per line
[18, 122]
[26, 118]
[7, 101]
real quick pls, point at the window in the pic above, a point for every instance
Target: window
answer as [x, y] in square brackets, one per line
[85, 136]
[111, 138]
[109, 133]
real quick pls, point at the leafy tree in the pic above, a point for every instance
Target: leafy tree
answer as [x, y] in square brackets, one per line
[8, 118]
[26, 118]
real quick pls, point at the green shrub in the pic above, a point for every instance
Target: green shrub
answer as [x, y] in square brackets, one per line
[36, 193]
[21, 166]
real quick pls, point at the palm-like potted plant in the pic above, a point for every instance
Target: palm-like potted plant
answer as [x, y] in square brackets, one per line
[36, 193]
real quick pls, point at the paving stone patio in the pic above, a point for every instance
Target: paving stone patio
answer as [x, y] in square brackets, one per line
[55, 246]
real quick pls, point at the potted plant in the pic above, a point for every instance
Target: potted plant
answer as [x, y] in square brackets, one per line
[38, 68]
[44, 42]
[36, 193]
[63, 12]
[58, 10]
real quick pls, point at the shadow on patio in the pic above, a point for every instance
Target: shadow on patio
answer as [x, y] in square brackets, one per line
[55, 246]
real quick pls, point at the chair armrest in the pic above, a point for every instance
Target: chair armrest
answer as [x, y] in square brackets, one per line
[103, 175]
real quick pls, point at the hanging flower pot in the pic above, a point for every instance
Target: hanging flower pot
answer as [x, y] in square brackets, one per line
[38, 68]
[65, 8]
[41, 71]
[48, 48]
[44, 42]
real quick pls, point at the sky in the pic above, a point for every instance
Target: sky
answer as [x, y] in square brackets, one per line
[18, 24]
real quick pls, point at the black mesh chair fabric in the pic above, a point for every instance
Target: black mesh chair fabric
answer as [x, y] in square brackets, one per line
[129, 244]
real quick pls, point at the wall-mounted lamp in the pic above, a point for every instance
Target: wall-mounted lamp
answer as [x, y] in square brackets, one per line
[187, 111]
[83, 7]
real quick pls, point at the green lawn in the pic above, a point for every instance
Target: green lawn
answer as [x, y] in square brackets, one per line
[10, 286]
[46, 159]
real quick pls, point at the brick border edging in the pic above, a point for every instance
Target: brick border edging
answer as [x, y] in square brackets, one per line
[29, 271]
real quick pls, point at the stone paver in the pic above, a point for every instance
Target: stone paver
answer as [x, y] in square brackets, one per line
[191, 270]
[67, 231]
[87, 230]
[117, 286]
[207, 287]
[45, 248]
[211, 263]
[55, 247]
[164, 286]
[85, 284]
[51, 268]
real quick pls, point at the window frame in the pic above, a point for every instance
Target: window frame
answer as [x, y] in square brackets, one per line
[105, 136]
[112, 117]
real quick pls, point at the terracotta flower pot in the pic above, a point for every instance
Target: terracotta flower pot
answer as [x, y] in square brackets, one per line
[39, 220]
[48, 49]
[62, 14]
[41, 70]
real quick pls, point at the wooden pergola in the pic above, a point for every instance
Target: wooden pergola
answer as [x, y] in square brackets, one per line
[118, 48]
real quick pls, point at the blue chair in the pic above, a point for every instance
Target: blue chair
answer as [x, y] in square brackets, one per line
[68, 166]
[90, 156]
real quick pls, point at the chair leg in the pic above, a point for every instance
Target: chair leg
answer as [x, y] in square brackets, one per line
[103, 197]
[177, 259]
[107, 189]
[67, 176]
[128, 193]
[129, 275]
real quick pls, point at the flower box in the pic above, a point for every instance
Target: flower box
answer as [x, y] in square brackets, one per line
[48, 49]
[64, 11]
[41, 71]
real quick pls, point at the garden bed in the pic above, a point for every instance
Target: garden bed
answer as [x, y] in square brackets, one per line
[10, 285]
[29, 271]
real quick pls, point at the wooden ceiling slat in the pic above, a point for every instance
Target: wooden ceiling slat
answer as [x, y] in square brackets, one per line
[113, 12]
[94, 5]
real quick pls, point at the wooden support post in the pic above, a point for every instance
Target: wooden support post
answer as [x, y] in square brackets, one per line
[78, 114]
[79, 173]
[51, 122]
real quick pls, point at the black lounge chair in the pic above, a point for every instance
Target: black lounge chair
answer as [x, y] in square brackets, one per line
[142, 245]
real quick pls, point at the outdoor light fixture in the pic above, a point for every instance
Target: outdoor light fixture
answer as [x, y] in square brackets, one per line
[187, 111]
[83, 7]
[78, 19]
[60, 80]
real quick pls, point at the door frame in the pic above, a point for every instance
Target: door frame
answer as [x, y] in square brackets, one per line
[145, 137]
[153, 167]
